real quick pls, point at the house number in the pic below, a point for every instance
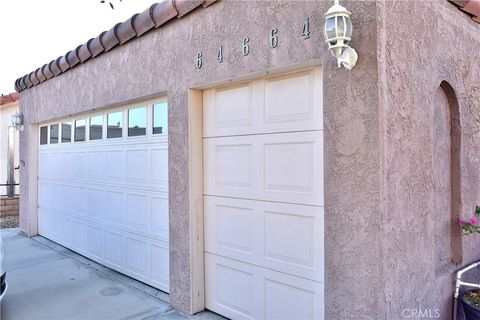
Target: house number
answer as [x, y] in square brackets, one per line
[198, 60]
[306, 29]
[220, 54]
[273, 38]
[272, 42]
[246, 46]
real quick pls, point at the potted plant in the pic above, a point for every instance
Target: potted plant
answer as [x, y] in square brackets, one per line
[471, 298]
[471, 304]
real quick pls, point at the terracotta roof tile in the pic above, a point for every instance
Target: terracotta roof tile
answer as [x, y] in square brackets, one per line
[46, 71]
[41, 77]
[472, 7]
[33, 78]
[208, 2]
[96, 46]
[126, 30]
[54, 68]
[110, 39]
[83, 52]
[27, 81]
[185, 6]
[164, 12]
[153, 17]
[63, 63]
[17, 85]
[21, 84]
[8, 98]
[72, 58]
[144, 21]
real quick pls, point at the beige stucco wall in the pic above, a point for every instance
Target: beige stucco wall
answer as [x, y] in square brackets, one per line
[379, 164]
[6, 111]
[417, 53]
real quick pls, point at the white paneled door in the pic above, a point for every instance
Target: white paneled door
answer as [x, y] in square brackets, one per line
[103, 188]
[263, 198]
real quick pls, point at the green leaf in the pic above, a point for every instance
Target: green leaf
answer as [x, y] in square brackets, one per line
[477, 210]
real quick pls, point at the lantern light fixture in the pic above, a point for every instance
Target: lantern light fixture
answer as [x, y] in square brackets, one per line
[338, 33]
[16, 121]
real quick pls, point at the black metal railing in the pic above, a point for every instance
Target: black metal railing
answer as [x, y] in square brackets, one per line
[14, 189]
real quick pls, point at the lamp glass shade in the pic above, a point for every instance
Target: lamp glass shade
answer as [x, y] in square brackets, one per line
[349, 30]
[330, 29]
[340, 26]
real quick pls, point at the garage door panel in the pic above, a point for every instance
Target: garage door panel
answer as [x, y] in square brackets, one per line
[66, 202]
[95, 242]
[292, 298]
[137, 256]
[116, 165]
[114, 248]
[137, 166]
[284, 103]
[43, 194]
[116, 206]
[96, 165]
[290, 98]
[43, 166]
[53, 189]
[263, 197]
[289, 237]
[108, 200]
[159, 172]
[242, 291]
[160, 264]
[283, 167]
[79, 200]
[221, 277]
[53, 166]
[79, 236]
[233, 108]
[289, 167]
[137, 214]
[232, 164]
[66, 165]
[96, 203]
[230, 226]
[159, 217]
[280, 236]
[80, 165]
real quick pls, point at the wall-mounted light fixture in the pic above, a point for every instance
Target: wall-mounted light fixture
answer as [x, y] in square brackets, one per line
[17, 121]
[338, 33]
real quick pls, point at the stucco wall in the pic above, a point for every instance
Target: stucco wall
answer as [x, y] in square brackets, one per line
[417, 53]
[162, 62]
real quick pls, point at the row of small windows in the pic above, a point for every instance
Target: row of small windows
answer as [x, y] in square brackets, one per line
[137, 125]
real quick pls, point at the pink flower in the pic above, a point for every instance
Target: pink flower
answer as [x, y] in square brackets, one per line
[462, 222]
[474, 220]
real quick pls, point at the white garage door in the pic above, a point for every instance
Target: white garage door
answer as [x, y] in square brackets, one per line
[263, 198]
[103, 188]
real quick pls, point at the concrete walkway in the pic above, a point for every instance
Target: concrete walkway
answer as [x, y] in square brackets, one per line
[48, 281]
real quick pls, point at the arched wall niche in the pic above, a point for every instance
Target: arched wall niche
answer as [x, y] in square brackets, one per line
[447, 179]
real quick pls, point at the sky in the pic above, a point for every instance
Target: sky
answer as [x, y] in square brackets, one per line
[35, 32]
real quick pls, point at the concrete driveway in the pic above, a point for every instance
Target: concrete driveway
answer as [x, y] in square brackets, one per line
[48, 281]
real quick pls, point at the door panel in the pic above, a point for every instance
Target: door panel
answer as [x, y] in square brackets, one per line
[263, 198]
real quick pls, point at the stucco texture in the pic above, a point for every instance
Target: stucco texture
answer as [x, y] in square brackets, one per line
[416, 54]
[162, 62]
[378, 139]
